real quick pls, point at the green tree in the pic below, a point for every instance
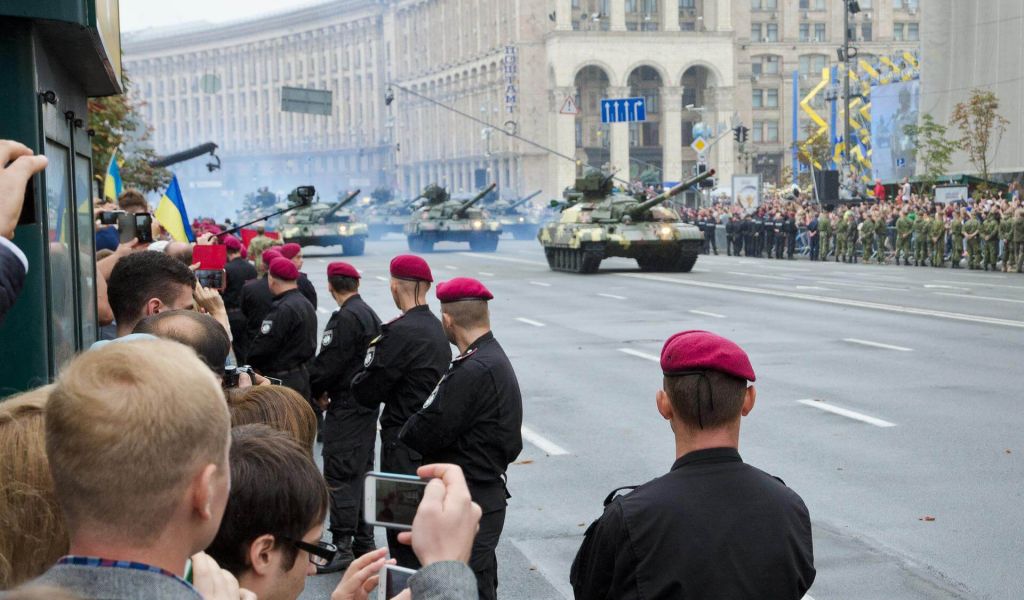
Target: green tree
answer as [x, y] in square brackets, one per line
[981, 128]
[931, 148]
[118, 125]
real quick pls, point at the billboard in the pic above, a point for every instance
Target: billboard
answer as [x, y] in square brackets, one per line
[893, 107]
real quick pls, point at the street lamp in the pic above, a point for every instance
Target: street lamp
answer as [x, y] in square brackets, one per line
[850, 8]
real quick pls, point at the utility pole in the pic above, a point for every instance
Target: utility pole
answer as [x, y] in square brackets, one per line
[846, 85]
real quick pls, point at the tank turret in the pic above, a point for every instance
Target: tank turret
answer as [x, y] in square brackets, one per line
[443, 219]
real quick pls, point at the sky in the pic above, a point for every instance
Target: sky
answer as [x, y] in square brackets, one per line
[142, 14]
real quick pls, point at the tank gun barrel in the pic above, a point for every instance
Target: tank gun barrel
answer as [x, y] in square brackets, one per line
[469, 203]
[523, 201]
[340, 205]
[638, 210]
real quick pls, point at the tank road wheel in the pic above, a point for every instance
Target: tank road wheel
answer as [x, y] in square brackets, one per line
[354, 247]
[649, 263]
[420, 243]
[589, 258]
[483, 243]
[549, 254]
[683, 263]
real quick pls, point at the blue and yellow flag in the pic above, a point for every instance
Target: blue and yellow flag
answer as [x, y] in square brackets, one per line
[112, 183]
[172, 215]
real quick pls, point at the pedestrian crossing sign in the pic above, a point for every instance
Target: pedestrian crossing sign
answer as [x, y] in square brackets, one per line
[569, 106]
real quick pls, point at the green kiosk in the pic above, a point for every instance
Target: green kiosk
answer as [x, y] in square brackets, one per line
[54, 55]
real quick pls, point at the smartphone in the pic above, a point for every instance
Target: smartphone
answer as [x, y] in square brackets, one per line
[390, 500]
[109, 217]
[393, 581]
[125, 227]
[144, 228]
[211, 261]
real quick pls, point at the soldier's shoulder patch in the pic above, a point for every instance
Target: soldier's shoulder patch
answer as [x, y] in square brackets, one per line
[327, 338]
[433, 394]
[266, 326]
[371, 352]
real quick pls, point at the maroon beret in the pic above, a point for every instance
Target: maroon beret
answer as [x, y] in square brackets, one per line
[704, 351]
[270, 254]
[290, 250]
[462, 288]
[232, 243]
[282, 268]
[410, 266]
[342, 269]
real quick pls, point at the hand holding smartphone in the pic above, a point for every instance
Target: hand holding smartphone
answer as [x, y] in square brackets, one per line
[391, 499]
[393, 581]
[211, 261]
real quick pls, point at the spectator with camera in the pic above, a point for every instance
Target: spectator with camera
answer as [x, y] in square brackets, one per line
[14, 178]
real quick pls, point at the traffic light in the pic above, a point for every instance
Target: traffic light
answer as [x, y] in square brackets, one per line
[740, 133]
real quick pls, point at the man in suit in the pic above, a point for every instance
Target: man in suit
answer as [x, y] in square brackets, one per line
[13, 179]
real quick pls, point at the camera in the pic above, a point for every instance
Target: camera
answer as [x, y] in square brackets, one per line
[302, 195]
[230, 379]
[211, 278]
[109, 217]
[132, 226]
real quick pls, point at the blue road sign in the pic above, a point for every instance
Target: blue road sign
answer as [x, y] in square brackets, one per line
[623, 110]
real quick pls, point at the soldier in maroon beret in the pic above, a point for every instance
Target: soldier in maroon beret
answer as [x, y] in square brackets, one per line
[237, 272]
[293, 252]
[713, 527]
[473, 418]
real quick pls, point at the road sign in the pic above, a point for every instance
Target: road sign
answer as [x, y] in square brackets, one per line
[699, 145]
[301, 100]
[569, 106]
[623, 110]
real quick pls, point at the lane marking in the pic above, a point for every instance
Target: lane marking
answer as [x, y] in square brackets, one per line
[451, 267]
[546, 445]
[973, 297]
[640, 354]
[540, 283]
[323, 311]
[779, 277]
[906, 310]
[877, 345]
[850, 414]
[707, 314]
[613, 296]
[946, 287]
[504, 258]
[381, 278]
[486, 274]
[530, 322]
[863, 286]
[998, 285]
[813, 287]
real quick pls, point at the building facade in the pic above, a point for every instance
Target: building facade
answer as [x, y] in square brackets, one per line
[503, 91]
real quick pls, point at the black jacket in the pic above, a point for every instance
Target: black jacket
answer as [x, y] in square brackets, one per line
[238, 271]
[307, 289]
[342, 347]
[713, 527]
[287, 336]
[12, 278]
[473, 419]
[256, 300]
[402, 366]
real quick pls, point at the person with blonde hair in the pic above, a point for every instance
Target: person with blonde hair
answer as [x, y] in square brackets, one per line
[32, 532]
[279, 407]
[137, 435]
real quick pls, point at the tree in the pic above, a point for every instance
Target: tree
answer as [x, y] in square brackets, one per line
[118, 125]
[981, 128]
[931, 148]
[815, 152]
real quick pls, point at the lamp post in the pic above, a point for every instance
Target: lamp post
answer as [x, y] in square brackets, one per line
[850, 8]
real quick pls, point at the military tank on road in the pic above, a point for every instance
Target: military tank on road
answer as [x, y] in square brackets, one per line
[387, 217]
[521, 224]
[259, 203]
[597, 223]
[442, 219]
[326, 224]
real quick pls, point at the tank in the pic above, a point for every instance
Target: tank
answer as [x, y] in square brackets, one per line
[387, 217]
[260, 203]
[326, 224]
[440, 218]
[523, 224]
[597, 222]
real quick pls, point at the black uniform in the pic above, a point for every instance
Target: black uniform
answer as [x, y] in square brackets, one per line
[731, 236]
[791, 230]
[237, 272]
[400, 370]
[474, 419]
[256, 301]
[714, 527]
[779, 231]
[307, 289]
[286, 342]
[769, 235]
[350, 429]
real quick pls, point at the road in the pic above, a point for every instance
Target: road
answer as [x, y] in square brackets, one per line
[887, 397]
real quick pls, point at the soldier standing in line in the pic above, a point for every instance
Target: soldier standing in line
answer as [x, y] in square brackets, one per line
[1018, 239]
[990, 240]
[904, 231]
[881, 235]
[938, 238]
[792, 229]
[1006, 237]
[867, 236]
[825, 235]
[921, 228]
[769, 234]
[853, 234]
[842, 237]
[956, 234]
[971, 230]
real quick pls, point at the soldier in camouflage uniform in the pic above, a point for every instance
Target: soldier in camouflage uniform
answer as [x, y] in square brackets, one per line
[972, 229]
[881, 236]
[937, 234]
[904, 231]
[867, 236]
[990, 240]
[1018, 239]
[825, 235]
[842, 237]
[258, 244]
[852, 233]
[922, 226]
[956, 234]
[1006, 237]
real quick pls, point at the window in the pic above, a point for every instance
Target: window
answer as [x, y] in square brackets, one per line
[764, 4]
[771, 99]
[757, 99]
[771, 134]
[805, 32]
[913, 32]
[819, 32]
[765, 65]
[687, 4]
[755, 32]
[865, 32]
[757, 132]
[773, 32]
[812, 64]
[897, 32]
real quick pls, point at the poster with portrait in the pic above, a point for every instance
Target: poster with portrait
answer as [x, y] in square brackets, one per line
[746, 191]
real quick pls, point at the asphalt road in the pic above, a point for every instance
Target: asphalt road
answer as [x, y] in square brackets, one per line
[887, 397]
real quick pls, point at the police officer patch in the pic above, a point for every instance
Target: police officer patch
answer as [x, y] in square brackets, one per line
[326, 340]
[433, 394]
[266, 326]
[369, 356]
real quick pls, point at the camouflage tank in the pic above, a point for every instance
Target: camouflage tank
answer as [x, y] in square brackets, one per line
[442, 219]
[597, 223]
[257, 204]
[387, 217]
[326, 224]
[520, 223]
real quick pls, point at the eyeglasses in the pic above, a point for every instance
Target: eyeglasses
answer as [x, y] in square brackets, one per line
[320, 553]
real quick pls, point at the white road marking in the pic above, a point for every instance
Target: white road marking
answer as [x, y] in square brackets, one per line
[877, 345]
[504, 258]
[946, 287]
[323, 311]
[707, 314]
[381, 278]
[847, 413]
[540, 283]
[451, 267]
[613, 296]
[530, 322]
[812, 287]
[779, 277]
[906, 310]
[546, 445]
[863, 286]
[1012, 287]
[486, 274]
[973, 297]
[640, 354]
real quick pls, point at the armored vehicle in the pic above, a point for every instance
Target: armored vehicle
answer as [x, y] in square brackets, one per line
[597, 223]
[326, 224]
[387, 217]
[442, 219]
[522, 224]
[260, 203]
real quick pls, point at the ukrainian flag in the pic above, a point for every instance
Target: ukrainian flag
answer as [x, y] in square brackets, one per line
[171, 214]
[112, 183]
